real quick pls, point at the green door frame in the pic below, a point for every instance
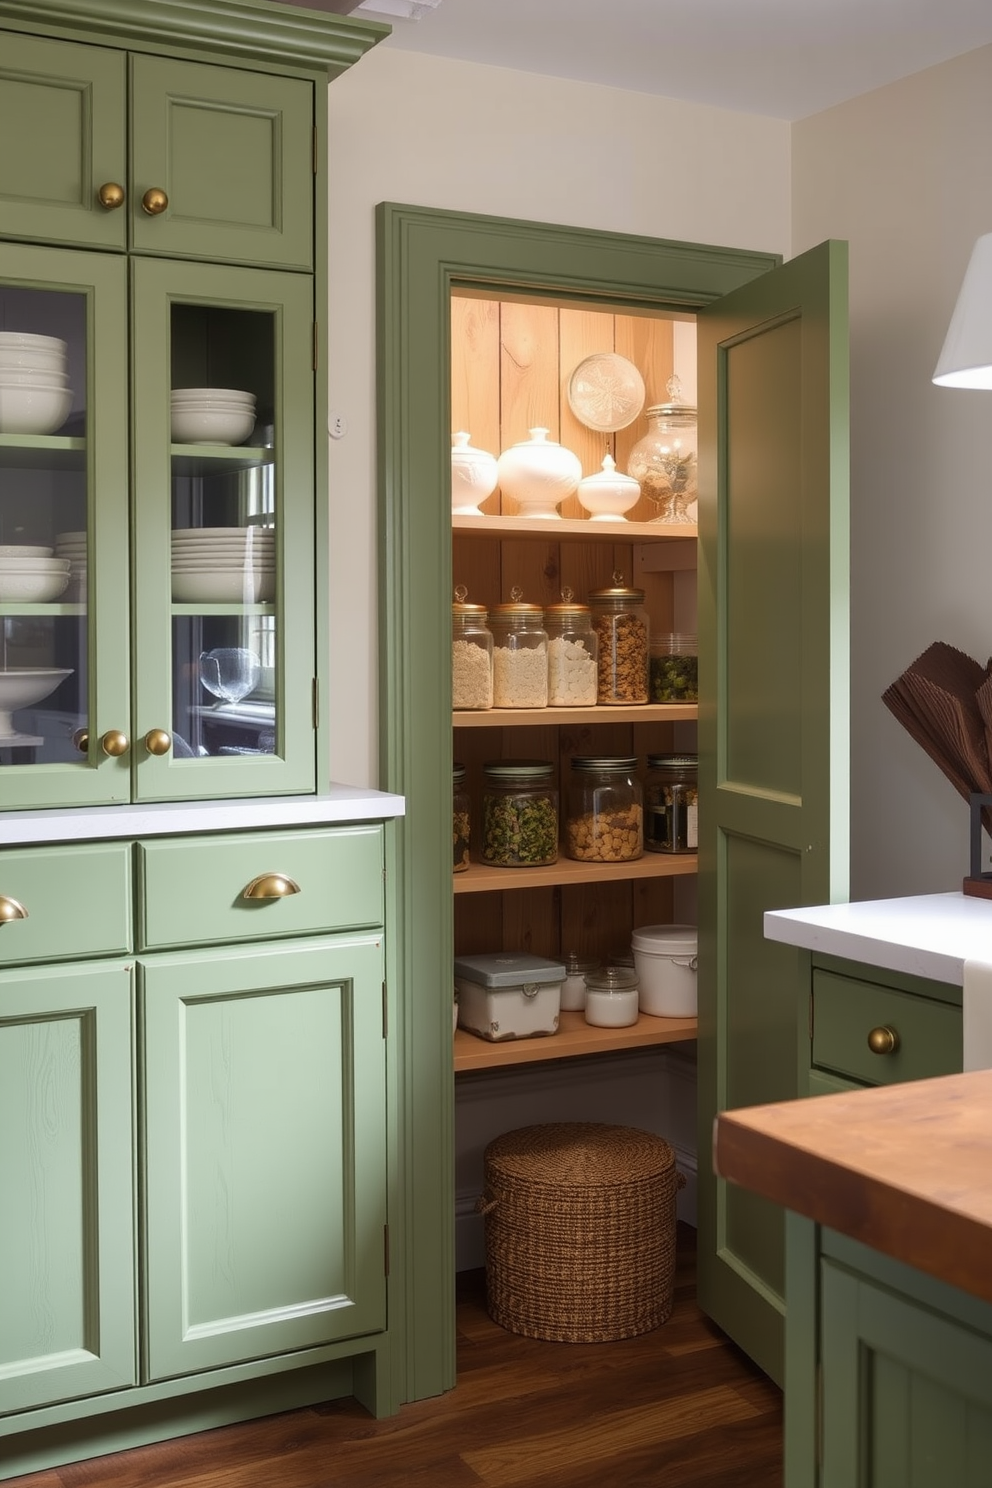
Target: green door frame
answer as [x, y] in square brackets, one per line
[424, 254]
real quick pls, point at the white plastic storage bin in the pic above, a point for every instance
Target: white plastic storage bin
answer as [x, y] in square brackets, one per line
[508, 995]
[665, 958]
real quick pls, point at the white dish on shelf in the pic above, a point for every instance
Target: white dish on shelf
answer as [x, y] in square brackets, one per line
[606, 392]
[212, 395]
[22, 686]
[211, 425]
[23, 550]
[238, 587]
[14, 339]
[33, 410]
[32, 588]
[200, 533]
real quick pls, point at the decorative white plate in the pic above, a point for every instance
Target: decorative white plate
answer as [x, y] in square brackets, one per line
[606, 392]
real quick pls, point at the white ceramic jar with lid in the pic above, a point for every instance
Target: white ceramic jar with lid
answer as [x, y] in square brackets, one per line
[473, 476]
[665, 957]
[609, 493]
[538, 474]
[573, 988]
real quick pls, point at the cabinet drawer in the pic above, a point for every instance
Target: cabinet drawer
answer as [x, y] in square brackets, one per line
[77, 901]
[846, 1009]
[193, 889]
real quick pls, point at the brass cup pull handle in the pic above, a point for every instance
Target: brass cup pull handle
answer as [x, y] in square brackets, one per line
[154, 201]
[81, 739]
[10, 909]
[111, 196]
[114, 742]
[270, 886]
[157, 741]
[883, 1040]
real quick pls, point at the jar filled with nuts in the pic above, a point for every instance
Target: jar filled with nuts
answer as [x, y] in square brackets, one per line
[621, 625]
[605, 817]
[519, 814]
[471, 654]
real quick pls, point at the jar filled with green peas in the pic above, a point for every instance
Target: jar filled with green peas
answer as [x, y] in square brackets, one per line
[674, 669]
[519, 813]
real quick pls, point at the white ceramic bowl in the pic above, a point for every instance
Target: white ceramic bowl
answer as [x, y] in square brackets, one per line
[212, 395]
[203, 532]
[32, 588]
[31, 359]
[222, 588]
[18, 339]
[34, 565]
[211, 426]
[69, 537]
[31, 377]
[23, 550]
[22, 686]
[33, 410]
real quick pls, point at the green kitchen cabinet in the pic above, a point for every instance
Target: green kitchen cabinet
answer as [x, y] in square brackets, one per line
[67, 1313]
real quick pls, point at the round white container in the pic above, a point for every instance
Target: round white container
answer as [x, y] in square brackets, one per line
[665, 958]
[573, 988]
[611, 997]
[538, 474]
[473, 477]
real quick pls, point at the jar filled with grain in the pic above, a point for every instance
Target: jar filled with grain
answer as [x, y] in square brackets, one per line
[605, 815]
[460, 819]
[519, 813]
[621, 625]
[573, 677]
[520, 654]
[471, 654]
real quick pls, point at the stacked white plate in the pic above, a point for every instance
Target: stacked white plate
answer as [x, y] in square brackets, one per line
[212, 415]
[30, 575]
[35, 396]
[72, 545]
[213, 565]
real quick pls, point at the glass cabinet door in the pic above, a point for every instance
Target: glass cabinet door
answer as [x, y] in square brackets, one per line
[64, 711]
[222, 480]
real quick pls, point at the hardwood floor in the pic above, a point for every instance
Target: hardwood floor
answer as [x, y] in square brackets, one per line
[677, 1408]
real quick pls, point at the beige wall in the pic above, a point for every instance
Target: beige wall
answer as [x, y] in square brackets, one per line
[905, 174]
[431, 132]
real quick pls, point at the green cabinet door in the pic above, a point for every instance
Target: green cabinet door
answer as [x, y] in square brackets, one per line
[233, 152]
[264, 1151]
[239, 588]
[62, 127]
[66, 1184]
[773, 723]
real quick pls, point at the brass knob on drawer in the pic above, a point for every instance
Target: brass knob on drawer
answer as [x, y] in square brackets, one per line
[11, 910]
[157, 741]
[883, 1041]
[81, 739]
[154, 201]
[115, 743]
[111, 195]
[270, 886]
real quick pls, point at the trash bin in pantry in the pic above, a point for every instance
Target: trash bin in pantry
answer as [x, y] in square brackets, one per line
[580, 1231]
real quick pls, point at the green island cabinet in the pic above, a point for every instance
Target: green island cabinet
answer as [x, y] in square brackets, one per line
[202, 1175]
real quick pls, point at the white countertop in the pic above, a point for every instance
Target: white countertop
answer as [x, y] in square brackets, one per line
[927, 935]
[341, 803]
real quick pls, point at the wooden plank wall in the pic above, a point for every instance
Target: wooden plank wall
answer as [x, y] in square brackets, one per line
[510, 366]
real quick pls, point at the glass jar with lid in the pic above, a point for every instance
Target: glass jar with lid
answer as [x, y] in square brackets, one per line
[520, 654]
[605, 815]
[673, 669]
[573, 649]
[519, 813]
[460, 819]
[664, 461]
[670, 803]
[471, 654]
[621, 625]
[573, 988]
[612, 997]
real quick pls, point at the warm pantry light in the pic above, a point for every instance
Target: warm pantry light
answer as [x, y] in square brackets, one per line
[966, 358]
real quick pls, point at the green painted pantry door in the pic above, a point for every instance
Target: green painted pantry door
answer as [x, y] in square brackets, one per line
[264, 1163]
[66, 1184]
[773, 723]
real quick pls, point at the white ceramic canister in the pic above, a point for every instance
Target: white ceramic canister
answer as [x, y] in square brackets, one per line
[538, 474]
[665, 958]
[609, 493]
[473, 477]
[611, 997]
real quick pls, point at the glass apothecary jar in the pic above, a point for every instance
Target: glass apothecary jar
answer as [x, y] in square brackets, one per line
[671, 795]
[605, 814]
[520, 655]
[573, 988]
[471, 654]
[673, 669]
[519, 814]
[664, 462]
[621, 625]
[573, 650]
[460, 820]
[612, 997]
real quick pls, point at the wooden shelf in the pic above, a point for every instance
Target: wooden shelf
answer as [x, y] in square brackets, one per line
[601, 713]
[575, 1037]
[570, 528]
[479, 878]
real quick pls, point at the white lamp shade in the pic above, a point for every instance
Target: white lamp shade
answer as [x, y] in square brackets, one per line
[966, 358]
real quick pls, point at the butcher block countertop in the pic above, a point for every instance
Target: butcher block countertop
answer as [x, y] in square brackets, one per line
[905, 1169]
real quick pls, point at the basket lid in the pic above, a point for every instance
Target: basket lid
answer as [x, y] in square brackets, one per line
[666, 940]
[508, 969]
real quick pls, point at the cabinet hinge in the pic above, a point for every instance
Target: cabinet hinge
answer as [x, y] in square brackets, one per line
[315, 702]
[316, 345]
[314, 151]
[385, 1012]
[385, 1250]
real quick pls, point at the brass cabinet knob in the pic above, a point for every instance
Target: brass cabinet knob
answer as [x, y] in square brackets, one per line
[11, 910]
[270, 886]
[883, 1041]
[157, 741]
[81, 739]
[115, 743]
[111, 195]
[154, 201]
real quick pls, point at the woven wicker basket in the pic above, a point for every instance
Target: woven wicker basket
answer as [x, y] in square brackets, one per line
[580, 1231]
